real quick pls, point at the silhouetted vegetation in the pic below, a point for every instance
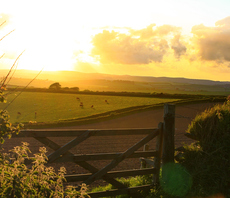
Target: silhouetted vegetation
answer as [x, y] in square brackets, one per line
[55, 86]
[207, 160]
[75, 90]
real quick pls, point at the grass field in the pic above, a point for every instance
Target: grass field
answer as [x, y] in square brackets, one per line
[158, 87]
[51, 107]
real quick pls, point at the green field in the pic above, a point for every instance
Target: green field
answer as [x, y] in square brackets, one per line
[52, 107]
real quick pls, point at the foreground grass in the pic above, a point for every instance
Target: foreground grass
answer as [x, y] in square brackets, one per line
[155, 192]
[128, 182]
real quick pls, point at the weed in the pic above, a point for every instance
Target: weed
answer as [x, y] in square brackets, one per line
[37, 180]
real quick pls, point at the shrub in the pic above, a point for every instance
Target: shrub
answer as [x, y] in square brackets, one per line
[18, 180]
[212, 128]
[208, 160]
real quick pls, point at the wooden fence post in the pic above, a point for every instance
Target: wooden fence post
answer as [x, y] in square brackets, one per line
[168, 134]
[157, 160]
[143, 162]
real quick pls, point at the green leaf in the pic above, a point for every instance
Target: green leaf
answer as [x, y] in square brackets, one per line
[2, 140]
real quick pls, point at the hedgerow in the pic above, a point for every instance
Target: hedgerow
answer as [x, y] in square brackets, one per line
[208, 159]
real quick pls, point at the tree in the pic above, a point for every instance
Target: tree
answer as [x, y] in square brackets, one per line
[55, 86]
[75, 89]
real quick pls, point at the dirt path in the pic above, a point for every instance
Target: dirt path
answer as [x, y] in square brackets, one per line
[150, 119]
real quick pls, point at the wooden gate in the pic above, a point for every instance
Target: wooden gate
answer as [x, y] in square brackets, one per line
[164, 152]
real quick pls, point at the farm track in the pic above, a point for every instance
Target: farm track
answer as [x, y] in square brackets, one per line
[147, 119]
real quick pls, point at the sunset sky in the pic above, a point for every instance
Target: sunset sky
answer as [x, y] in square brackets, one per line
[172, 38]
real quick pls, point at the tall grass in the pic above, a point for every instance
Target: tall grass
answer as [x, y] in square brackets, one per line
[36, 180]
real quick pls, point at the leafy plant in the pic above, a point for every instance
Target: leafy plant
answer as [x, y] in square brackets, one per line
[37, 180]
[6, 128]
[207, 160]
[212, 127]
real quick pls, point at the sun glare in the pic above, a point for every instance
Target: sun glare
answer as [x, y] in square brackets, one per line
[68, 35]
[51, 41]
[36, 59]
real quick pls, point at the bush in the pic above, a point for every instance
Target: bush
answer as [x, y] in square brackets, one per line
[18, 180]
[212, 128]
[208, 160]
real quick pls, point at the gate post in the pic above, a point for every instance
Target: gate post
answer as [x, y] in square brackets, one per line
[157, 160]
[168, 133]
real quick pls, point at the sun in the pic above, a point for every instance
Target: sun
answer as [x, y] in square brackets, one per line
[50, 40]
[47, 59]
[52, 51]
[44, 48]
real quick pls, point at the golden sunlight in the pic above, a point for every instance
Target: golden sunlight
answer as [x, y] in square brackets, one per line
[51, 40]
[122, 37]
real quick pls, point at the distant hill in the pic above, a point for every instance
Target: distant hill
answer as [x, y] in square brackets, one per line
[70, 76]
[118, 83]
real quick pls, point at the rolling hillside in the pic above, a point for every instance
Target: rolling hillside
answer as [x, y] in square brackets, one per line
[106, 82]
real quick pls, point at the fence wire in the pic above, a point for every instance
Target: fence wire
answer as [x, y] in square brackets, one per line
[193, 108]
[181, 116]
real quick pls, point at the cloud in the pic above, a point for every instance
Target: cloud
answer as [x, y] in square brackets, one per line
[145, 33]
[123, 49]
[166, 29]
[213, 42]
[224, 22]
[153, 31]
[137, 47]
[178, 47]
